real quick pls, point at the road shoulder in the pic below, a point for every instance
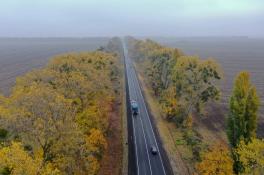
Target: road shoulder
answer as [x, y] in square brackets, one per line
[162, 129]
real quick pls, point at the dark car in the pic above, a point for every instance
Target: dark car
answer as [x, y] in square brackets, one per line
[153, 150]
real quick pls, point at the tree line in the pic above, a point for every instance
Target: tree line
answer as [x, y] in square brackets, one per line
[55, 121]
[184, 85]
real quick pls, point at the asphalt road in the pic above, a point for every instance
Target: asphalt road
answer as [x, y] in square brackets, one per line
[143, 132]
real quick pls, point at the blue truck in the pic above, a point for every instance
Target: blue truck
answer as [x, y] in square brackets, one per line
[134, 107]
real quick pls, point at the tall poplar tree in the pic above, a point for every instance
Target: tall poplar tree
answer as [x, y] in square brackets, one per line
[242, 118]
[243, 107]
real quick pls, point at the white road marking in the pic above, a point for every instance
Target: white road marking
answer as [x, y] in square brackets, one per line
[146, 145]
[144, 135]
[135, 146]
[135, 138]
[150, 123]
[133, 83]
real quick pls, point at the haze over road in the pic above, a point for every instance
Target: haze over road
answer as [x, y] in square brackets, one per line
[144, 136]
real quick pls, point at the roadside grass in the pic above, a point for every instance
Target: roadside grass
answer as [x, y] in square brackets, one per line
[115, 160]
[124, 129]
[171, 137]
[210, 128]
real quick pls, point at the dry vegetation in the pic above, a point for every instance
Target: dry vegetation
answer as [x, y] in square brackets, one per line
[182, 92]
[61, 120]
[235, 55]
[167, 130]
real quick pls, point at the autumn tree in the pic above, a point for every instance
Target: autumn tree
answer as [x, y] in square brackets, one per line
[159, 71]
[159, 62]
[95, 116]
[16, 161]
[113, 46]
[183, 84]
[60, 112]
[196, 82]
[44, 120]
[242, 117]
[217, 161]
[96, 143]
[251, 156]
[172, 107]
[243, 107]
[76, 76]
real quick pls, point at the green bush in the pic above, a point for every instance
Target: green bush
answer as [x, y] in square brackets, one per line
[3, 133]
[180, 142]
[5, 171]
[191, 138]
[28, 147]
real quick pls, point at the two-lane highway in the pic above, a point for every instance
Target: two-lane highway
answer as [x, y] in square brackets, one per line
[143, 133]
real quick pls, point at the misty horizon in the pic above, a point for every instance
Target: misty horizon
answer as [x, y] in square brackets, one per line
[146, 87]
[142, 18]
[136, 36]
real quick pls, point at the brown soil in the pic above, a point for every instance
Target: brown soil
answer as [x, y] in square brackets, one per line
[111, 163]
[212, 126]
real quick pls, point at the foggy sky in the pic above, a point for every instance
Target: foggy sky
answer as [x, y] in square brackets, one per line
[83, 18]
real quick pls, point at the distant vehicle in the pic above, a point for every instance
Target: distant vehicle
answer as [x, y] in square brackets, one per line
[153, 150]
[134, 107]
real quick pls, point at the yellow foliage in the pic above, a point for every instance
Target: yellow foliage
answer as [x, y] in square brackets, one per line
[94, 165]
[93, 117]
[251, 156]
[20, 162]
[196, 82]
[216, 161]
[61, 112]
[96, 142]
[170, 106]
[96, 145]
[16, 159]
[49, 169]
[188, 122]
